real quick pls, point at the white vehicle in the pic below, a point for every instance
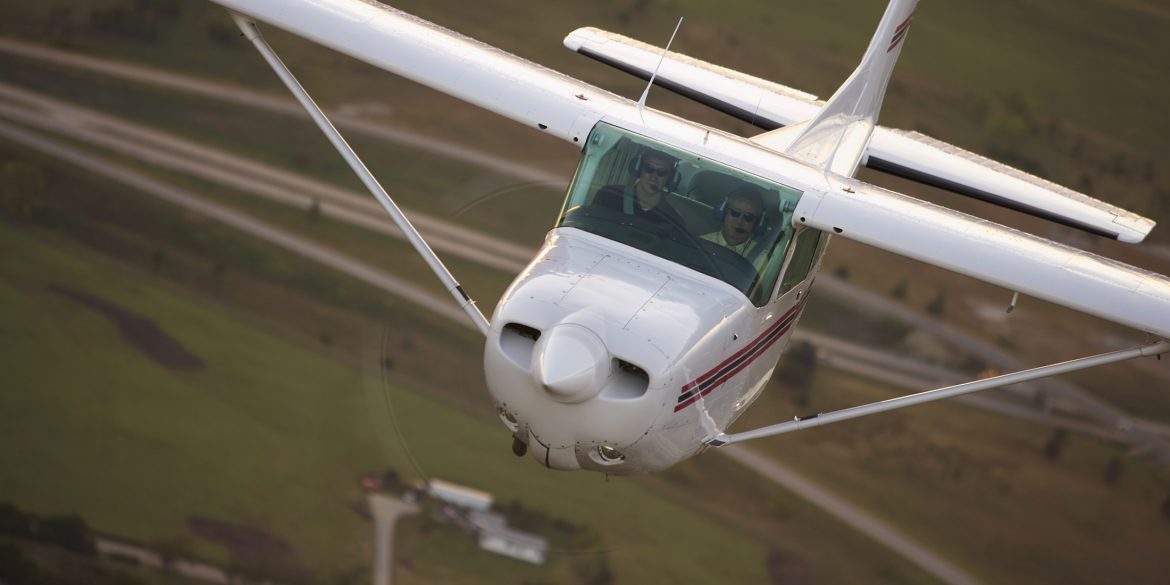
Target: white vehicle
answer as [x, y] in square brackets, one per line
[659, 305]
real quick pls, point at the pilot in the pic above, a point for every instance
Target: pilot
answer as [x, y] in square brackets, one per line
[742, 216]
[653, 173]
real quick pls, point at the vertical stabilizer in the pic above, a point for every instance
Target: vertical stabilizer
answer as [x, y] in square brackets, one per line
[837, 137]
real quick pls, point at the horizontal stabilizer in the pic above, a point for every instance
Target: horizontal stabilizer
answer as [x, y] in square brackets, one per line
[769, 106]
[757, 101]
[919, 157]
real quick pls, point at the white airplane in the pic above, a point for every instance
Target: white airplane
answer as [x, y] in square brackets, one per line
[659, 305]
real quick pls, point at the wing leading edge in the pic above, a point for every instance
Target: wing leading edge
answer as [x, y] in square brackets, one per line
[770, 106]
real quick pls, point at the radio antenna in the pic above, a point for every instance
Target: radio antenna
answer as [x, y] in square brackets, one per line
[642, 100]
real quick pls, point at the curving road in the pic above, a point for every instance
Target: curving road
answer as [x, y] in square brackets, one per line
[773, 471]
[177, 154]
[386, 511]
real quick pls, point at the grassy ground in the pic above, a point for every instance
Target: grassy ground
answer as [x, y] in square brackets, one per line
[1000, 78]
[979, 488]
[417, 180]
[273, 433]
[268, 429]
[1068, 91]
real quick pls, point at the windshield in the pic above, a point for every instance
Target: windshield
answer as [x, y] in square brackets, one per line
[709, 217]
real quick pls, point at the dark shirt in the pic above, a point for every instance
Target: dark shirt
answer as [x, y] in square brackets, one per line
[613, 197]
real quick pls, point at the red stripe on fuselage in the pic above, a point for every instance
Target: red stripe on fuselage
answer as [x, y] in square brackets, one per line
[758, 346]
[733, 372]
[736, 355]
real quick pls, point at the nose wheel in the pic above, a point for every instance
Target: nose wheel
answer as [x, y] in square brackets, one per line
[519, 448]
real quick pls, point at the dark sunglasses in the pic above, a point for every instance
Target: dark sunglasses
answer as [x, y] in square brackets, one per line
[652, 170]
[748, 217]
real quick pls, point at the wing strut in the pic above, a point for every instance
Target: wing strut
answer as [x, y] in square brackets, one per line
[252, 33]
[816, 420]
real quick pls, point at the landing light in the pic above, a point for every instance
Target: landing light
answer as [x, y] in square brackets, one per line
[609, 454]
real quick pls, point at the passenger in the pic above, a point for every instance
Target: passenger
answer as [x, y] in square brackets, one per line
[742, 214]
[646, 197]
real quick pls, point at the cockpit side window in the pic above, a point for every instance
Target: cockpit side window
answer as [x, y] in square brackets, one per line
[805, 252]
[704, 215]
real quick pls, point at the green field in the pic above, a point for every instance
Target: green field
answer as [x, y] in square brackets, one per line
[291, 407]
[275, 429]
[979, 487]
[270, 433]
[1070, 92]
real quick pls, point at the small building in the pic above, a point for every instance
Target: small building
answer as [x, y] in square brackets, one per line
[459, 496]
[513, 543]
[471, 509]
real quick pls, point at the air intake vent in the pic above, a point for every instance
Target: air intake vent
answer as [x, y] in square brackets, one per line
[517, 342]
[628, 381]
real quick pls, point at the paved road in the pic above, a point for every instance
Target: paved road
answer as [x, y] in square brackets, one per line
[770, 469]
[1057, 391]
[396, 286]
[913, 376]
[284, 105]
[235, 219]
[278, 185]
[855, 517]
[174, 153]
[386, 510]
[360, 211]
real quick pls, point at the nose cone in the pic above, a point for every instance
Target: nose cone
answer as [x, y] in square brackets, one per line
[571, 363]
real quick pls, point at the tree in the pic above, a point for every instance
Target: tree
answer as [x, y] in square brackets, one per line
[938, 304]
[1055, 445]
[1114, 470]
[15, 567]
[13, 522]
[68, 532]
[899, 291]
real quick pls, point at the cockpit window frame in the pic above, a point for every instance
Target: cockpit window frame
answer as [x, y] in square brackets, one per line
[600, 199]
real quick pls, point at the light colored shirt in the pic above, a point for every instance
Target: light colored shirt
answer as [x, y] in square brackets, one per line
[743, 248]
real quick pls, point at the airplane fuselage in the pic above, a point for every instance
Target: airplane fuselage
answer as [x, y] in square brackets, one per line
[607, 357]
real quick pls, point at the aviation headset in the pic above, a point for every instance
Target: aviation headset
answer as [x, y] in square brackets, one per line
[635, 167]
[747, 192]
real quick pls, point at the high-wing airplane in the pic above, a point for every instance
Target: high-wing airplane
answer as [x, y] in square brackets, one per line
[661, 301]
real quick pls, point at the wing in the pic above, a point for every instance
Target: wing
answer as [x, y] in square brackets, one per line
[770, 106]
[991, 252]
[442, 59]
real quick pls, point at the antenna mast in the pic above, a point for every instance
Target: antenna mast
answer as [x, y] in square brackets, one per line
[642, 100]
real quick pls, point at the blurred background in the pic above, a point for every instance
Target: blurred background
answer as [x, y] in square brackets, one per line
[215, 364]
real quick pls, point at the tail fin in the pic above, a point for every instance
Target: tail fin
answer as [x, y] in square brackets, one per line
[837, 137]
